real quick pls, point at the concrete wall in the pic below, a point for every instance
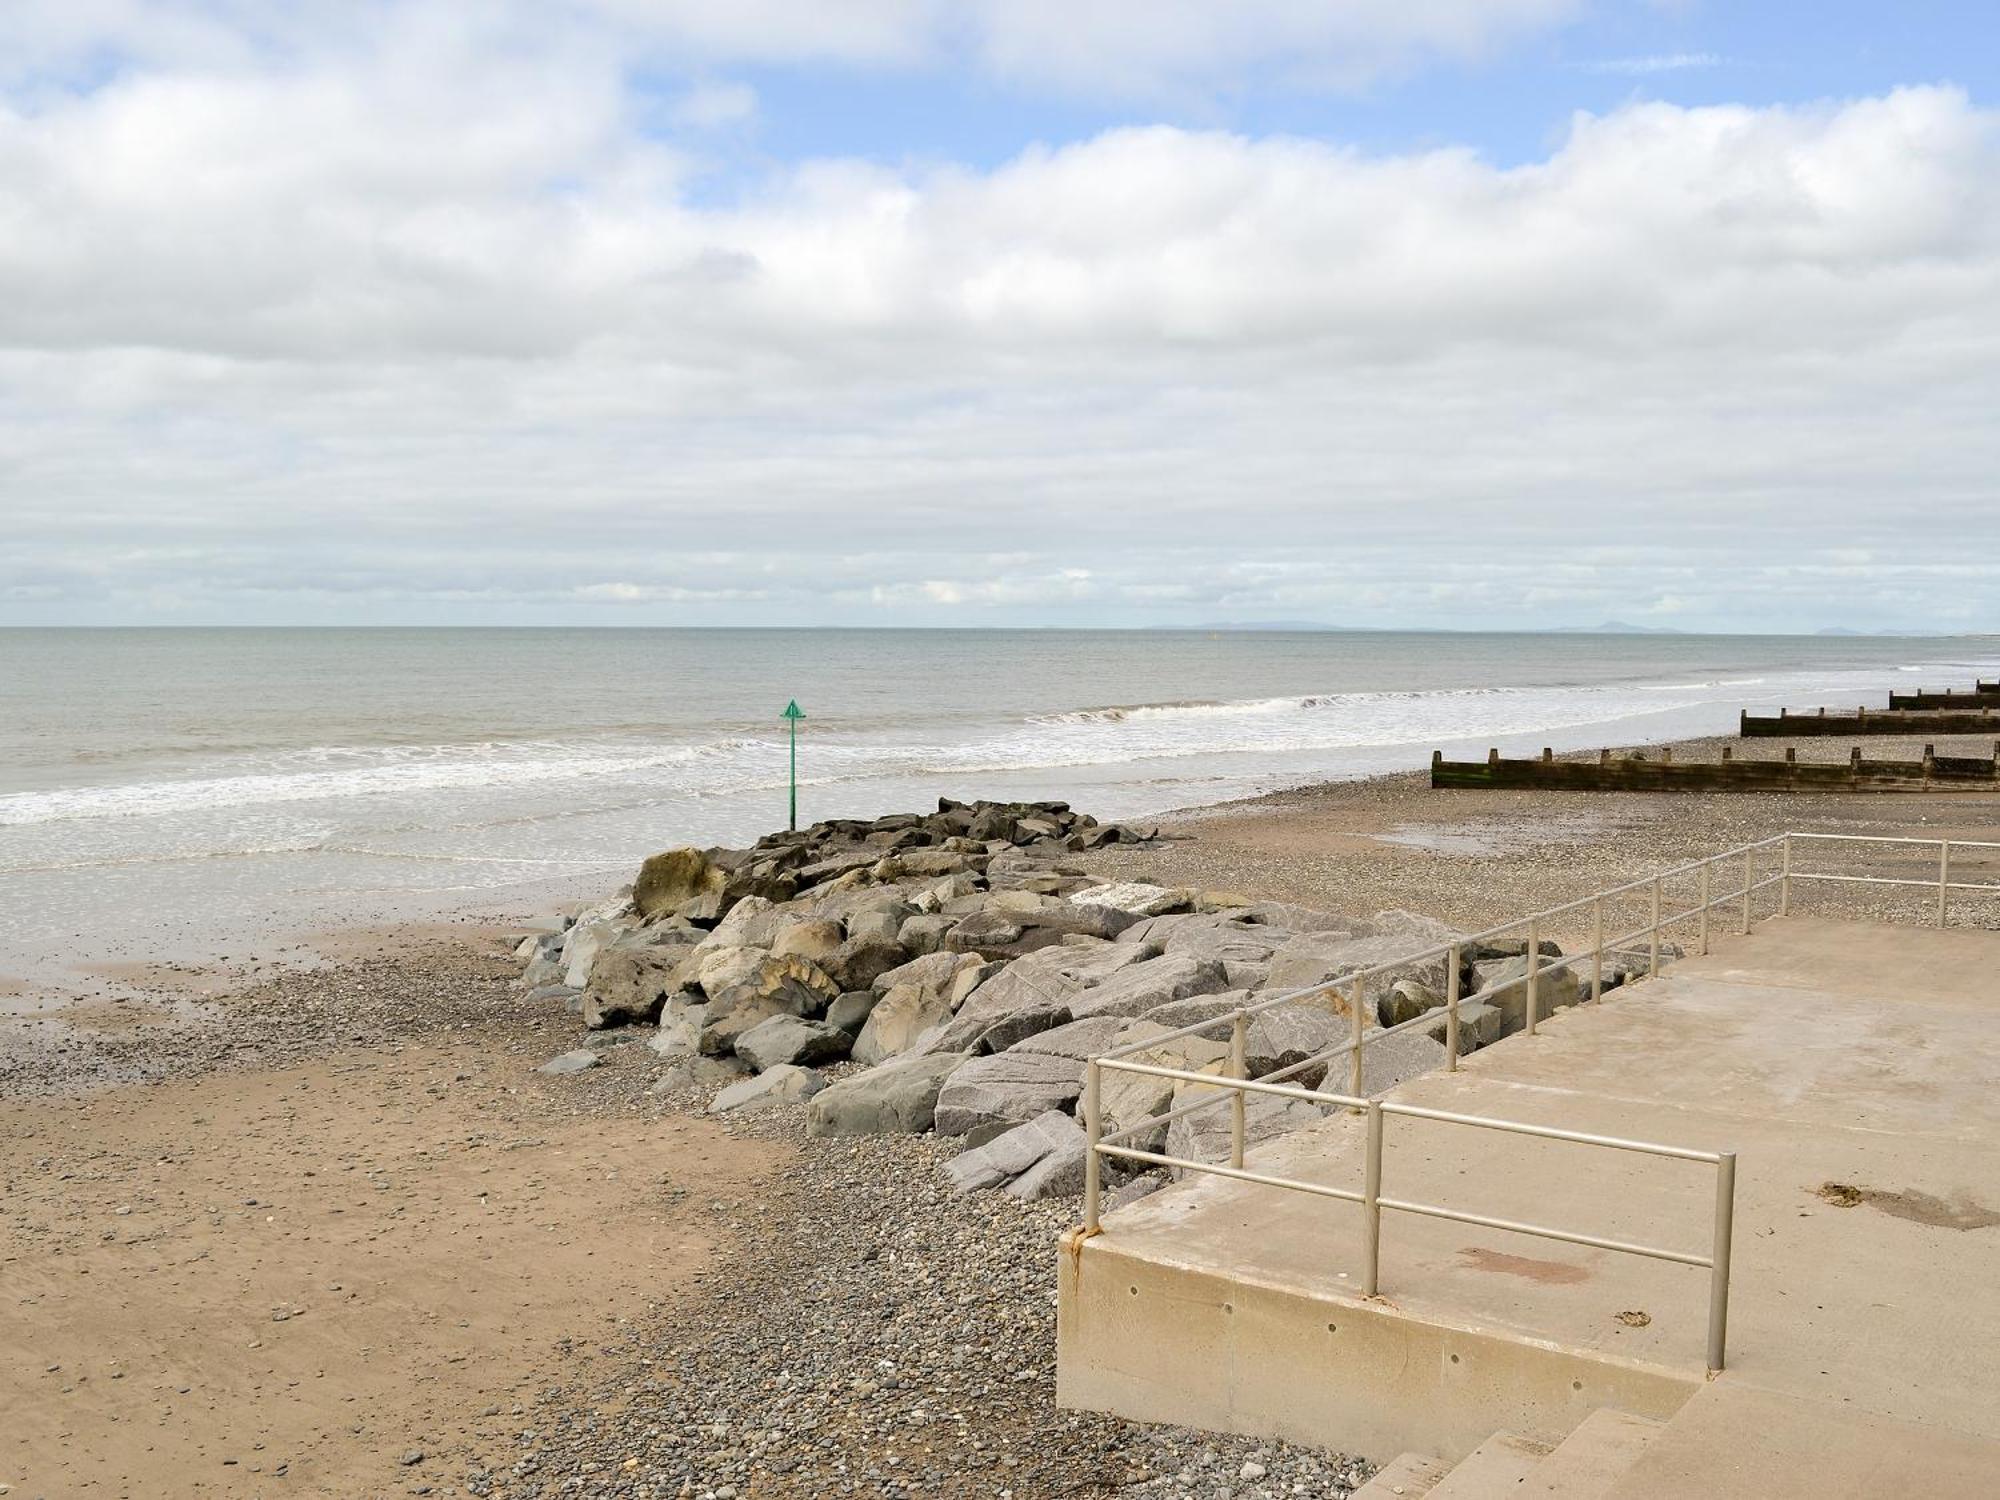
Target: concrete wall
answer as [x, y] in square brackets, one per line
[1165, 1343]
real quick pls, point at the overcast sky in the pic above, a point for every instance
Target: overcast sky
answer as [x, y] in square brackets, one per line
[1454, 313]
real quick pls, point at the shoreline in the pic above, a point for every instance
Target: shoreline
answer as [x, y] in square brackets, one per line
[332, 1215]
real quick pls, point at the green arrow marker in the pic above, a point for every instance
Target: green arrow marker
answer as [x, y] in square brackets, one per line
[793, 713]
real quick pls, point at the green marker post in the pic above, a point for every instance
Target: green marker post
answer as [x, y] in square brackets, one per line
[793, 713]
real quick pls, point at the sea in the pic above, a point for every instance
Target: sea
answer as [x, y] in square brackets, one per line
[187, 793]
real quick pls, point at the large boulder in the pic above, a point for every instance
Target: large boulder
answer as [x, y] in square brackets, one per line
[1127, 1099]
[1031, 994]
[675, 879]
[1060, 1172]
[898, 1098]
[771, 987]
[1078, 1039]
[864, 958]
[851, 1011]
[1147, 985]
[1291, 1033]
[753, 922]
[629, 985]
[896, 1022]
[1244, 949]
[791, 1039]
[680, 1030]
[782, 1084]
[1506, 980]
[1135, 897]
[1013, 929]
[1009, 1088]
[1012, 1152]
[815, 939]
[583, 942]
[1315, 958]
[1205, 1134]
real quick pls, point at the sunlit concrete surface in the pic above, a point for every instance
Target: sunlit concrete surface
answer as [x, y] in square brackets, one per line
[1854, 1068]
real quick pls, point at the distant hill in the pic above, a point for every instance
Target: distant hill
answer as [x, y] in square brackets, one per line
[1617, 627]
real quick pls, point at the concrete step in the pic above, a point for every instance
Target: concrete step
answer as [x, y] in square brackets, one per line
[1500, 1466]
[1584, 1465]
[1408, 1476]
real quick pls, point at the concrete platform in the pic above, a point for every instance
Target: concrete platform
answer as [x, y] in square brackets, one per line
[1851, 1054]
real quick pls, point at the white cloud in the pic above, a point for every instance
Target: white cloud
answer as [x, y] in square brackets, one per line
[1658, 62]
[434, 320]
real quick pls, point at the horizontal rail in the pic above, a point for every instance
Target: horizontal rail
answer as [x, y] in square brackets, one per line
[1544, 1231]
[1550, 1133]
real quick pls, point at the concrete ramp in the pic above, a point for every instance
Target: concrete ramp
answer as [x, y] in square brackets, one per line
[1853, 1067]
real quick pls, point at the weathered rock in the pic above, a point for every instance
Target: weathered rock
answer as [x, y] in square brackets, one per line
[675, 879]
[1178, 1013]
[752, 922]
[1059, 1174]
[679, 1034]
[1291, 1033]
[1010, 1087]
[1244, 949]
[932, 972]
[1479, 1025]
[790, 1039]
[903, 1015]
[582, 945]
[1012, 1152]
[899, 1097]
[970, 976]
[1010, 931]
[1314, 958]
[865, 957]
[780, 1084]
[1407, 999]
[1205, 1134]
[1076, 1039]
[815, 939]
[850, 1012]
[1146, 986]
[1031, 994]
[1503, 983]
[699, 1072]
[1136, 897]
[1129, 1099]
[730, 970]
[572, 1062]
[924, 933]
[774, 987]
[629, 985]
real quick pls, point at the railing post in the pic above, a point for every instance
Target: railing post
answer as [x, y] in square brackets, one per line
[1718, 1275]
[1653, 935]
[1534, 975]
[1597, 949]
[1354, 1054]
[1238, 1068]
[1749, 879]
[1707, 900]
[1451, 989]
[1785, 880]
[1092, 1163]
[1371, 1203]
[1944, 876]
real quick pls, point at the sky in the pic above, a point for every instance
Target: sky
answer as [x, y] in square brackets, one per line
[1463, 314]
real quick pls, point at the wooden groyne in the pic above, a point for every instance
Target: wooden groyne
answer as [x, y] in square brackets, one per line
[1980, 695]
[1660, 772]
[1785, 724]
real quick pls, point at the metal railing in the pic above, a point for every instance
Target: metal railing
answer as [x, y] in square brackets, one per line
[1352, 990]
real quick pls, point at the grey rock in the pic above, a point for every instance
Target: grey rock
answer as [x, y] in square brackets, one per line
[791, 1040]
[1315, 958]
[572, 1062]
[1135, 897]
[924, 933]
[1178, 1013]
[1081, 1040]
[898, 1020]
[782, 1084]
[1010, 1087]
[1030, 995]
[816, 939]
[1407, 999]
[1059, 1174]
[1147, 985]
[1012, 931]
[1129, 1099]
[1503, 983]
[1011, 1152]
[1242, 948]
[1205, 1135]
[629, 985]
[850, 1012]
[899, 1097]
[931, 972]
[1291, 1033]
[679, 1033]
[1479, 1025]
[865, 957]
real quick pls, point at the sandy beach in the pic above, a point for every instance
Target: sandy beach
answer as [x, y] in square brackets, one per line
[327, 1231]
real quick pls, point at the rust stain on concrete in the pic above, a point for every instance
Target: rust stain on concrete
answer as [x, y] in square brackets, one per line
[1548, 1272]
